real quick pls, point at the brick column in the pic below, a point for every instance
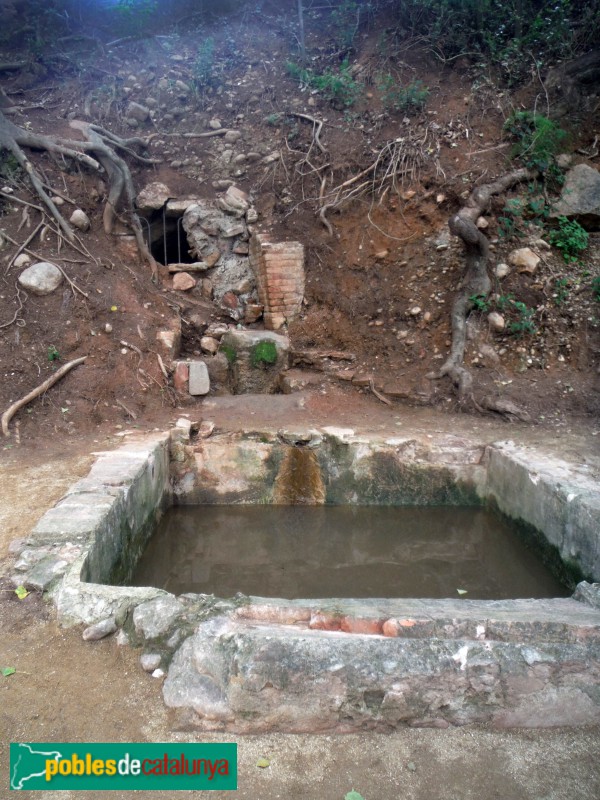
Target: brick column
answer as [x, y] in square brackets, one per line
[279, 271]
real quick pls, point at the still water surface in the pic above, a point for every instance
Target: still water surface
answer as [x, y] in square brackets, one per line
[342, 551]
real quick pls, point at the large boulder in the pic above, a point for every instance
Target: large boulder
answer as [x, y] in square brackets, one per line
[580, 197]
[256, 360]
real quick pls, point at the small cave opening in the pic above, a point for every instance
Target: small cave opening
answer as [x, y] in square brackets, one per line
[167, 240]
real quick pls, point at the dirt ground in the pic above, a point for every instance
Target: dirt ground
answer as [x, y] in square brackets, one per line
[388, 254]
[69, 690]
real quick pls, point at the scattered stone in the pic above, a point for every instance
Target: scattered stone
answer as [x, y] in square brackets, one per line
[251, 216]
[80, 220]
[206, 428]
[564, 160]
[502, 270]
[150, 661]
[209, 345]
[153, 197]
[183, 282]
[272, 157]
[482, 223]
[158, 673]
[100, 630]
[234, 202]
[232, 136]
[381, 254]
[525, 259]
[182, 87]
[199, 383]
[415, 311]
[108, 328]
[41, 278]
[215, 124]
[137, 112]
[496, 321]
[22, 260]
[217, 329]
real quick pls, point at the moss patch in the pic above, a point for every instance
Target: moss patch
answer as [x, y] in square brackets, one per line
[263, 354]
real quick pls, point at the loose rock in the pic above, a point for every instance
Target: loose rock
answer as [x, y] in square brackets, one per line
[183, 282]
[525, 259]
[41, 278]
[100, 630]
[79, 219]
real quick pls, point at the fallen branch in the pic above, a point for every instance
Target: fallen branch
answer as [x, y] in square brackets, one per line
[43, 387]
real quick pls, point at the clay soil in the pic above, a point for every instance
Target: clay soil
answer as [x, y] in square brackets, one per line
[389, 254]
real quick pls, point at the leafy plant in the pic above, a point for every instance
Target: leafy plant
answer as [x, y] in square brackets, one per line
[561, 292]
[570, 238]
[53, 354]
[339, 88]
[204, 63]
[537, 141]
[523, 315]
[402, 98]
[480, 302]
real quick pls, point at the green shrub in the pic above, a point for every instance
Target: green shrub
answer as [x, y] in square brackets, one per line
[402, 98]
[480, 302]
[521, 316]
[203, 65]
[339, 88]
[570, 238]
[537, 141]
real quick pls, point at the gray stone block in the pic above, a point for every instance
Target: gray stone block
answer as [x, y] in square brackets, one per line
[199, 378]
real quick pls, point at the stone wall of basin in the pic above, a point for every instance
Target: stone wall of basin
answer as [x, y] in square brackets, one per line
[251, 664]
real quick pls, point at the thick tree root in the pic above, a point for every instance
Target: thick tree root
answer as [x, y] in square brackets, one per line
[98, 152]
[475, 282]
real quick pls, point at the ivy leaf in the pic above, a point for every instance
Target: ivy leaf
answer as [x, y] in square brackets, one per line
[21, 592]
[6, 671]
[353, 796]
[263, 763]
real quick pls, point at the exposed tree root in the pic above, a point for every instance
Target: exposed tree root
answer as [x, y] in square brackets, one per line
[98, 152]
[475, 282]
[12, 410]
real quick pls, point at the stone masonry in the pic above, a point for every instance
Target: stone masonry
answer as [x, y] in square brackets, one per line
[279, 271]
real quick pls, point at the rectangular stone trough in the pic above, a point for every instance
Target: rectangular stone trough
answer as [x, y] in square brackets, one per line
[253, 664]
